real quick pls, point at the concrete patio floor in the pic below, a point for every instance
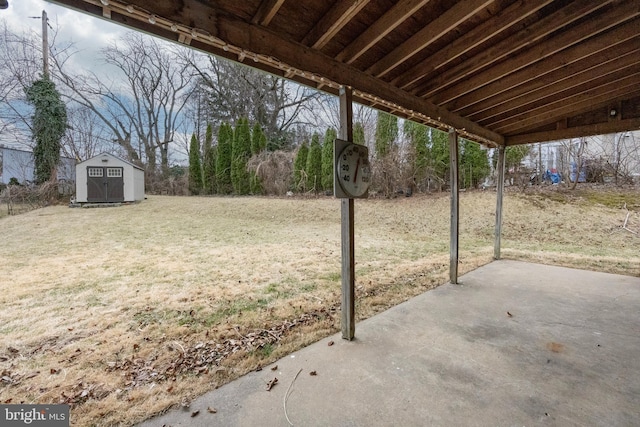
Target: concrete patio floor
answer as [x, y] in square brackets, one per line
[515, 344]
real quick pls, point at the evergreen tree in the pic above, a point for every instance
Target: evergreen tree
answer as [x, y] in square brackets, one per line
[439, 155]
[327, 158]
[299, 168]
[240, 154]
[258, 140]
[358, 133]
[258, 145]
[223, 159]
[418, 136]
[314, 164]
[195, 166]
[514, 155]
[209, 159]
[474, 164]
[386, 133]
[48, 125]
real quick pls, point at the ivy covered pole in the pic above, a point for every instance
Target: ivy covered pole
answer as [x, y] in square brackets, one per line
[48, 125]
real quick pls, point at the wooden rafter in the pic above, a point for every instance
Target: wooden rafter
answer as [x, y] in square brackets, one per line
[577, 104]
[585, 76]
[332, 22]
[523, 38]
[383, 26]
[480, 34]
[536, 53]
[432, 32]
[525, 67]
[559, 67]
[552, 94]
[266, 12]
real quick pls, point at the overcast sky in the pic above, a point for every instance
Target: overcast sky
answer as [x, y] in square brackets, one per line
[87, 32]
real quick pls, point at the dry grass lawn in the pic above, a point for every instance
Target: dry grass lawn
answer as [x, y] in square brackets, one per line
[124, 312]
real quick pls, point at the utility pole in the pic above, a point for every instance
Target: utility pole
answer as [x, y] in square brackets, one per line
[45, 45]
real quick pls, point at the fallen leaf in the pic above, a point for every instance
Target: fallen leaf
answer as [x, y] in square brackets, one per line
[12, 350]
[271, 383]
[259, 368]
[275, 368]
[185, 402]
[313, 373]
[330, 343]
[509, 314]
[194, 413]
[211, 410]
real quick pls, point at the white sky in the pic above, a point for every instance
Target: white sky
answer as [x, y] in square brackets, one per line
[87, 32]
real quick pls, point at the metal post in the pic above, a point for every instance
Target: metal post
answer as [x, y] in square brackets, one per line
[500, 192]
[347, 227]
[455, 206]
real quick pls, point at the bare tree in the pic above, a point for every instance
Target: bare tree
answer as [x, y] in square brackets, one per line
[233, 91]
[20, 66]
[142, 106]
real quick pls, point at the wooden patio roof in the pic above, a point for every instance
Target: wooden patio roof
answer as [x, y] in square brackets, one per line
[500, 72]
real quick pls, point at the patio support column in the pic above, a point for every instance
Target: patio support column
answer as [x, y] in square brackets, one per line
[348, 311]
[499, 194]
[455, 206]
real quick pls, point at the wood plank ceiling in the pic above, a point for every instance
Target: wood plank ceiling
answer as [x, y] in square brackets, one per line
[499, 71]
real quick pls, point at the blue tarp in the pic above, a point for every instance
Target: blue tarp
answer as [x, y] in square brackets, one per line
[552, 175]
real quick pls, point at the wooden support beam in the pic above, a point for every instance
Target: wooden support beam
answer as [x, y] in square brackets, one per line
[504, 19]
[503, 49]
[576, 104]
[383, 26]
[499, 196]
[348, 311]
[583, 31]
[561, 67]
[455, 207]
[559, 93]
[459, 12]
[266, 12]
[340, 14]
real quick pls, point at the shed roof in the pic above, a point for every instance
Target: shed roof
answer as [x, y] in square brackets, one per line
[113, 157]
[499, 71]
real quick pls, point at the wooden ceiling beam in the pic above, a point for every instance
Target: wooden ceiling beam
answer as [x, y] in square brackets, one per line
[259, 39]
[604, 128]
[521, 39]
[266, 11]
[333, 21]
[552, 94]
[383, 26]
[538, 53]
[580, 103]
[563, 65]
[504, 19]
[461, 11]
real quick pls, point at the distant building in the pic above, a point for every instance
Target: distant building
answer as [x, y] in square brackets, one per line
[19, 164]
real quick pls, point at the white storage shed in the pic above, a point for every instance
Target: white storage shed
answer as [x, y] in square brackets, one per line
[106, 178]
